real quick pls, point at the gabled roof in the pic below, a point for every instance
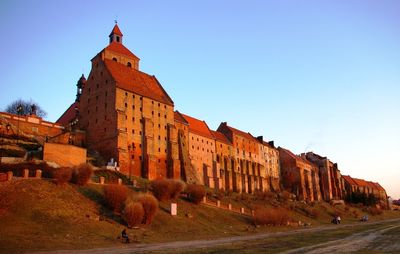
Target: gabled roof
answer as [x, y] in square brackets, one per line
[198, 127]
[137, 82]
[221, 137]
[179, 118]
[296, 157]
[241, 133]
[363, 183]
[68, 115]
[349, 180]
[116, 31]
[120, 49]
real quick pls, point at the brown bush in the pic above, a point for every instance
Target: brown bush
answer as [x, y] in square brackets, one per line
[166, 189]
[312, 213]
[150, 207]
[375, 211]
[133, 214]
[195, 193]
[161, 189]
[62, 175]
[81, 174]
[115, 196]
[271, 216]
[176, 188]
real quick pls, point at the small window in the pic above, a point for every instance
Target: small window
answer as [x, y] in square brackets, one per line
[117, 38]
[129, 64]
[114, 59]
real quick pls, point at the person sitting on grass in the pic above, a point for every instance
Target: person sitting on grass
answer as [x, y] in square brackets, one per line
[124, 236]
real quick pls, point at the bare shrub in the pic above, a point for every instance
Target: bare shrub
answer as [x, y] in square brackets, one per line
[161, 189]
[81, 174]
[195, 193]
[312, 213]
[176, 188]
[375, 211]
[150, 207]
[115, 196]
[133, 214]
[270, 216]
[62, 175]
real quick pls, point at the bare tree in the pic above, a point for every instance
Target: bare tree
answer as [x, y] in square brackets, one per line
[21, 107]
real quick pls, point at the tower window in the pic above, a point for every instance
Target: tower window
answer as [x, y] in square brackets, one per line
[114, 59]
[117, 38]
[129, 64]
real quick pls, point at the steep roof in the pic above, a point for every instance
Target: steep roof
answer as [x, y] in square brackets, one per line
[296, 157]
[242, 133]
[363, 183]
[137, 82]
[221, 137]
[120, 49]
[198, 127]
[179, 118]
[349, 180]
[68, 115]
[116, 31]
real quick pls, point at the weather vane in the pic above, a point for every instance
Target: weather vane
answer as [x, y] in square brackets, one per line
[116, 19]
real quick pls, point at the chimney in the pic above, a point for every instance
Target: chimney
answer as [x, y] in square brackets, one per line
[260, 138]
[271, 143]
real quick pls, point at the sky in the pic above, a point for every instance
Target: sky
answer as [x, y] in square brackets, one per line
[321, 76]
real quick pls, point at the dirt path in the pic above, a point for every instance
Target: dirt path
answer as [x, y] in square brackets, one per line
[348, 244]
[352, 243]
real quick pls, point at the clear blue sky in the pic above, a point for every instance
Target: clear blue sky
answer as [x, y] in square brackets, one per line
[320, 76]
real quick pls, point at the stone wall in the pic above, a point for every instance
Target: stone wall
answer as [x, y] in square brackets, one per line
[64, 155]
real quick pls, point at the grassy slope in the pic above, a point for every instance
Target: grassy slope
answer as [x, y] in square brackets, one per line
[39, 215]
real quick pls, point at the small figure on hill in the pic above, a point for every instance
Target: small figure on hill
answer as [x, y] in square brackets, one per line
[338, 219]
[124, 235]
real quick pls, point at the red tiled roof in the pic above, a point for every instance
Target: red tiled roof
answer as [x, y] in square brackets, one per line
[242, 133]
[296, 157]
[120, 49]
[221, 137]
[349, 180]
[179, 118]
[68, 115]
[198, 127]
[116, 31]
[137, 82]
[363, 183]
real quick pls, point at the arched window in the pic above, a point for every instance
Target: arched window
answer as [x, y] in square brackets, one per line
[114, 59]
[129, 64]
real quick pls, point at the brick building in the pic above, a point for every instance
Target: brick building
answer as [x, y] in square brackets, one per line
[355, 185]
[299, 176]
[127, 114]
[332, 185]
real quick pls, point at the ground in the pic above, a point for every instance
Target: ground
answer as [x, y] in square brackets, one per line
[38, 215]
[376, 237]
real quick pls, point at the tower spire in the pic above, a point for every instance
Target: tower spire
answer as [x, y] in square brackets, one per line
[116, 34]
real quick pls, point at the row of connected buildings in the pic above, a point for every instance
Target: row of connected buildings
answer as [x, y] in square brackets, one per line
[127, 115]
